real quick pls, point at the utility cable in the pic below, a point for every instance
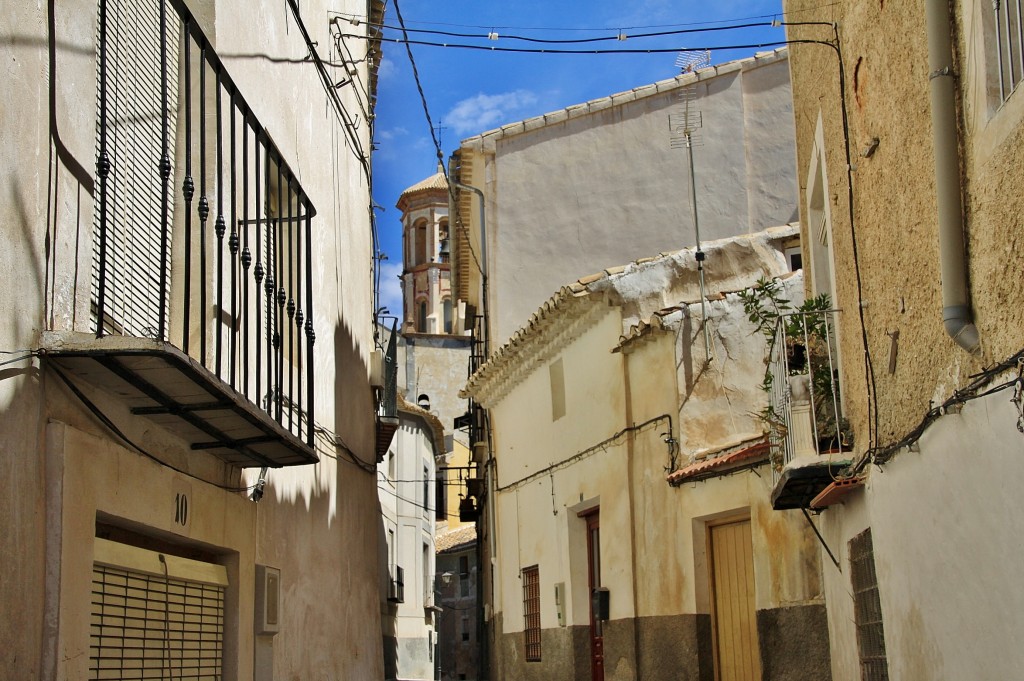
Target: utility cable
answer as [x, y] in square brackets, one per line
[532, 50]
[973, 391]
[405, 499]
[419, 85]
[459, 224]
[620, 36]
[605, 28]
[332, 94]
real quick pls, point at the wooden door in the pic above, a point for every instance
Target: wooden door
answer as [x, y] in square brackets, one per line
[737, 653]
[594, 581]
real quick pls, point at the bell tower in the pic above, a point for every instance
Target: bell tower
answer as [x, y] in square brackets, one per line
[426, 270]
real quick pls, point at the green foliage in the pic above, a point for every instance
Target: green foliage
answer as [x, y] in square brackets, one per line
[808, 338]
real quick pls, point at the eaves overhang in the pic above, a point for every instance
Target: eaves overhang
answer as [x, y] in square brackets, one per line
[159, 382]
[489, 138]
[563, 318]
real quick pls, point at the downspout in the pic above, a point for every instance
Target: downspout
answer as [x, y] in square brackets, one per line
[483, 263]
[956, 306]
[490, 466]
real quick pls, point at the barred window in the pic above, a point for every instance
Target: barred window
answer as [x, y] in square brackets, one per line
[867, 609]
[531, 612]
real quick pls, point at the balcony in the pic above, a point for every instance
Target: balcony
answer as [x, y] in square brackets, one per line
[810, 438]
[387, 409]
[201, 291]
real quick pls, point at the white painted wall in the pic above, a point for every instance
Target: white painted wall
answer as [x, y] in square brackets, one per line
[412, 518]
[572, 193]
[945, 523]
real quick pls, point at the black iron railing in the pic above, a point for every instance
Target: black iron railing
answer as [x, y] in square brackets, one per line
[223, 268]
[477, 358]
[389, 399]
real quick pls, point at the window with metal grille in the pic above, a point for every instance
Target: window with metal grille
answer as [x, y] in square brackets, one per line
[1009, 45]
[154, 616]
[867, 609]
[531, 612]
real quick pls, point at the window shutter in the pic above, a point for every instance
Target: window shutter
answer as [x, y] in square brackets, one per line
[155, 616]
[134, 138]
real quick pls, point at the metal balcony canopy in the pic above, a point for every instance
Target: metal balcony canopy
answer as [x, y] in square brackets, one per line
[161, 383]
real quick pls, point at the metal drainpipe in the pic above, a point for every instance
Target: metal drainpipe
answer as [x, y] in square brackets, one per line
[956, 305]
[483, 263]
[490, 465]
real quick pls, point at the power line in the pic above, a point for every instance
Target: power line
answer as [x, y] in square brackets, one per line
[619, 36]
[650, 50]
[459, 224]
[332, 94]
[112, 427]
[419, 85]
[494, 27]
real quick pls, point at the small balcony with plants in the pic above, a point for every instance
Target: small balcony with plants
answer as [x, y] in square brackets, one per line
[810, 438]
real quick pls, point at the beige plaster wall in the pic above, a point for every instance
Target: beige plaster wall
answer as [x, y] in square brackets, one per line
[885, 55]
[435, 366]
[653, 536]
[939, 516]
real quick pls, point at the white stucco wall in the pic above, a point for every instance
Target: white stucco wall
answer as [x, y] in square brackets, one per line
[943, 522]
[572, 193]
[412, 519]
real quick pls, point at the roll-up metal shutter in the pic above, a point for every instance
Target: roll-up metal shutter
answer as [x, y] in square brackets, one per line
[155, 616]
[134, 139]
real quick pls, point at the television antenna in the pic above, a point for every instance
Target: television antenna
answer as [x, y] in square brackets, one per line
[691, 60]
[684, 127]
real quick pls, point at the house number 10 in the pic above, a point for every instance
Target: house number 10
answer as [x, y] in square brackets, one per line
[181, 509]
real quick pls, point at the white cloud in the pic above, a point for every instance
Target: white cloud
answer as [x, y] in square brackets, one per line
[391, 286]
[387, 69]
[388, 135]
[485, 112]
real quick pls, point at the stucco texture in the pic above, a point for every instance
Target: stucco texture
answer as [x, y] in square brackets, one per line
[884, 50]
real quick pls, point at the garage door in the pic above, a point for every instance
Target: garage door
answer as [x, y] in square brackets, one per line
[155, 616]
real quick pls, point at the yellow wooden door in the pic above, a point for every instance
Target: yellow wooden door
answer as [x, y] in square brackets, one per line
[737, 654]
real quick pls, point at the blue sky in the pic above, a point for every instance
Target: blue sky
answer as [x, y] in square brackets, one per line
[469, 92]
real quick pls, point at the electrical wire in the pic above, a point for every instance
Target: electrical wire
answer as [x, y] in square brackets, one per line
[570, 41]
[605, 28]
[973, 391]
[332, 95]
[405, 499]
[419, 85]
[600, 446]
[532, 50]
[29, 354]
[459, 223]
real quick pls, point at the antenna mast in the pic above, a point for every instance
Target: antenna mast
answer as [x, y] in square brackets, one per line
[684, 127]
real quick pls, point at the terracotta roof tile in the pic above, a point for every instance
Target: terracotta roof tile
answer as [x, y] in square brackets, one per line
[452, 539]
[720, 464]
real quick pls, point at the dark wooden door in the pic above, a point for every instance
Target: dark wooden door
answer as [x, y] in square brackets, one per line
[594, 571]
